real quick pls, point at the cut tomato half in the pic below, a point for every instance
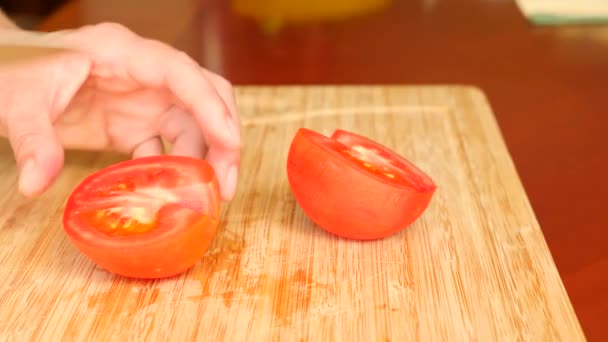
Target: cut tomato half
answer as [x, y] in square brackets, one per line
[354, 187]
[150, 217]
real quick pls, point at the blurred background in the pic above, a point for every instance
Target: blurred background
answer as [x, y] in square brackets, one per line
[28, 13]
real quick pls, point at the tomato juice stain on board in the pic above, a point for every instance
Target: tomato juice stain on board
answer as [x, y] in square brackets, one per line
[138, 206]
[229, 273]
[354, 187]
[220, 271]
[295, 294]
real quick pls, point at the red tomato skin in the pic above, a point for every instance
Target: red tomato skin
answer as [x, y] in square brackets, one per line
[344, 200]
[181, 239]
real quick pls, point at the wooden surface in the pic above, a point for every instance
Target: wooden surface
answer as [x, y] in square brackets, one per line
[474, 267]
[547, 87]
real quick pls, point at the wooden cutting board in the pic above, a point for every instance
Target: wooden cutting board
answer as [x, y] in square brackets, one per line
[474, 267]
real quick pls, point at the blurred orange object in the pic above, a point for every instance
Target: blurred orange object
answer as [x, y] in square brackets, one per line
[273, 13]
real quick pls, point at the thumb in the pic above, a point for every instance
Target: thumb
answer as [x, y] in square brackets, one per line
[38, 152]
[51, 83]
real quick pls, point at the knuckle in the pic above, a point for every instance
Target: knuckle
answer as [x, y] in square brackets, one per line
[113, 29]
[154, 44]
[185, 58]
[221, 84]
[26, 142]
[173, 54]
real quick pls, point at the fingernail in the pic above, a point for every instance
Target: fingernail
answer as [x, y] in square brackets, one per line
[28, 180]
[231, 182]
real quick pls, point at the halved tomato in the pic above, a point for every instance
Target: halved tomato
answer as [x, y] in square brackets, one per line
[151, 217]
[354, 187]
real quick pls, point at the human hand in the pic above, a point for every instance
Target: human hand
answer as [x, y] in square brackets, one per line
[109, 89]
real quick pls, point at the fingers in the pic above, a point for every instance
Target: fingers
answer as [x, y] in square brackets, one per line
[51, 84]
[214, 155]
[38, 152]
[205, 97]
[157, 65]
[148, 148]
[225, 91]
[181, 130]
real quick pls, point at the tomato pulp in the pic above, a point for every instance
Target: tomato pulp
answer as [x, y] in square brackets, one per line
[354, 187]
[151, 217]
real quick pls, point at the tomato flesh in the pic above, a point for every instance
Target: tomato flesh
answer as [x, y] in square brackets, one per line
[118, 222]
[389, 164]
[373, 163]
[150, 217]
[354, 187]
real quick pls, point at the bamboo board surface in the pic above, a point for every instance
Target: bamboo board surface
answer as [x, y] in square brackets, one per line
[475, 266]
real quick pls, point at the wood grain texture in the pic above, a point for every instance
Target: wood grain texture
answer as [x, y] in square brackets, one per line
[474, 267]
[547, 86]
